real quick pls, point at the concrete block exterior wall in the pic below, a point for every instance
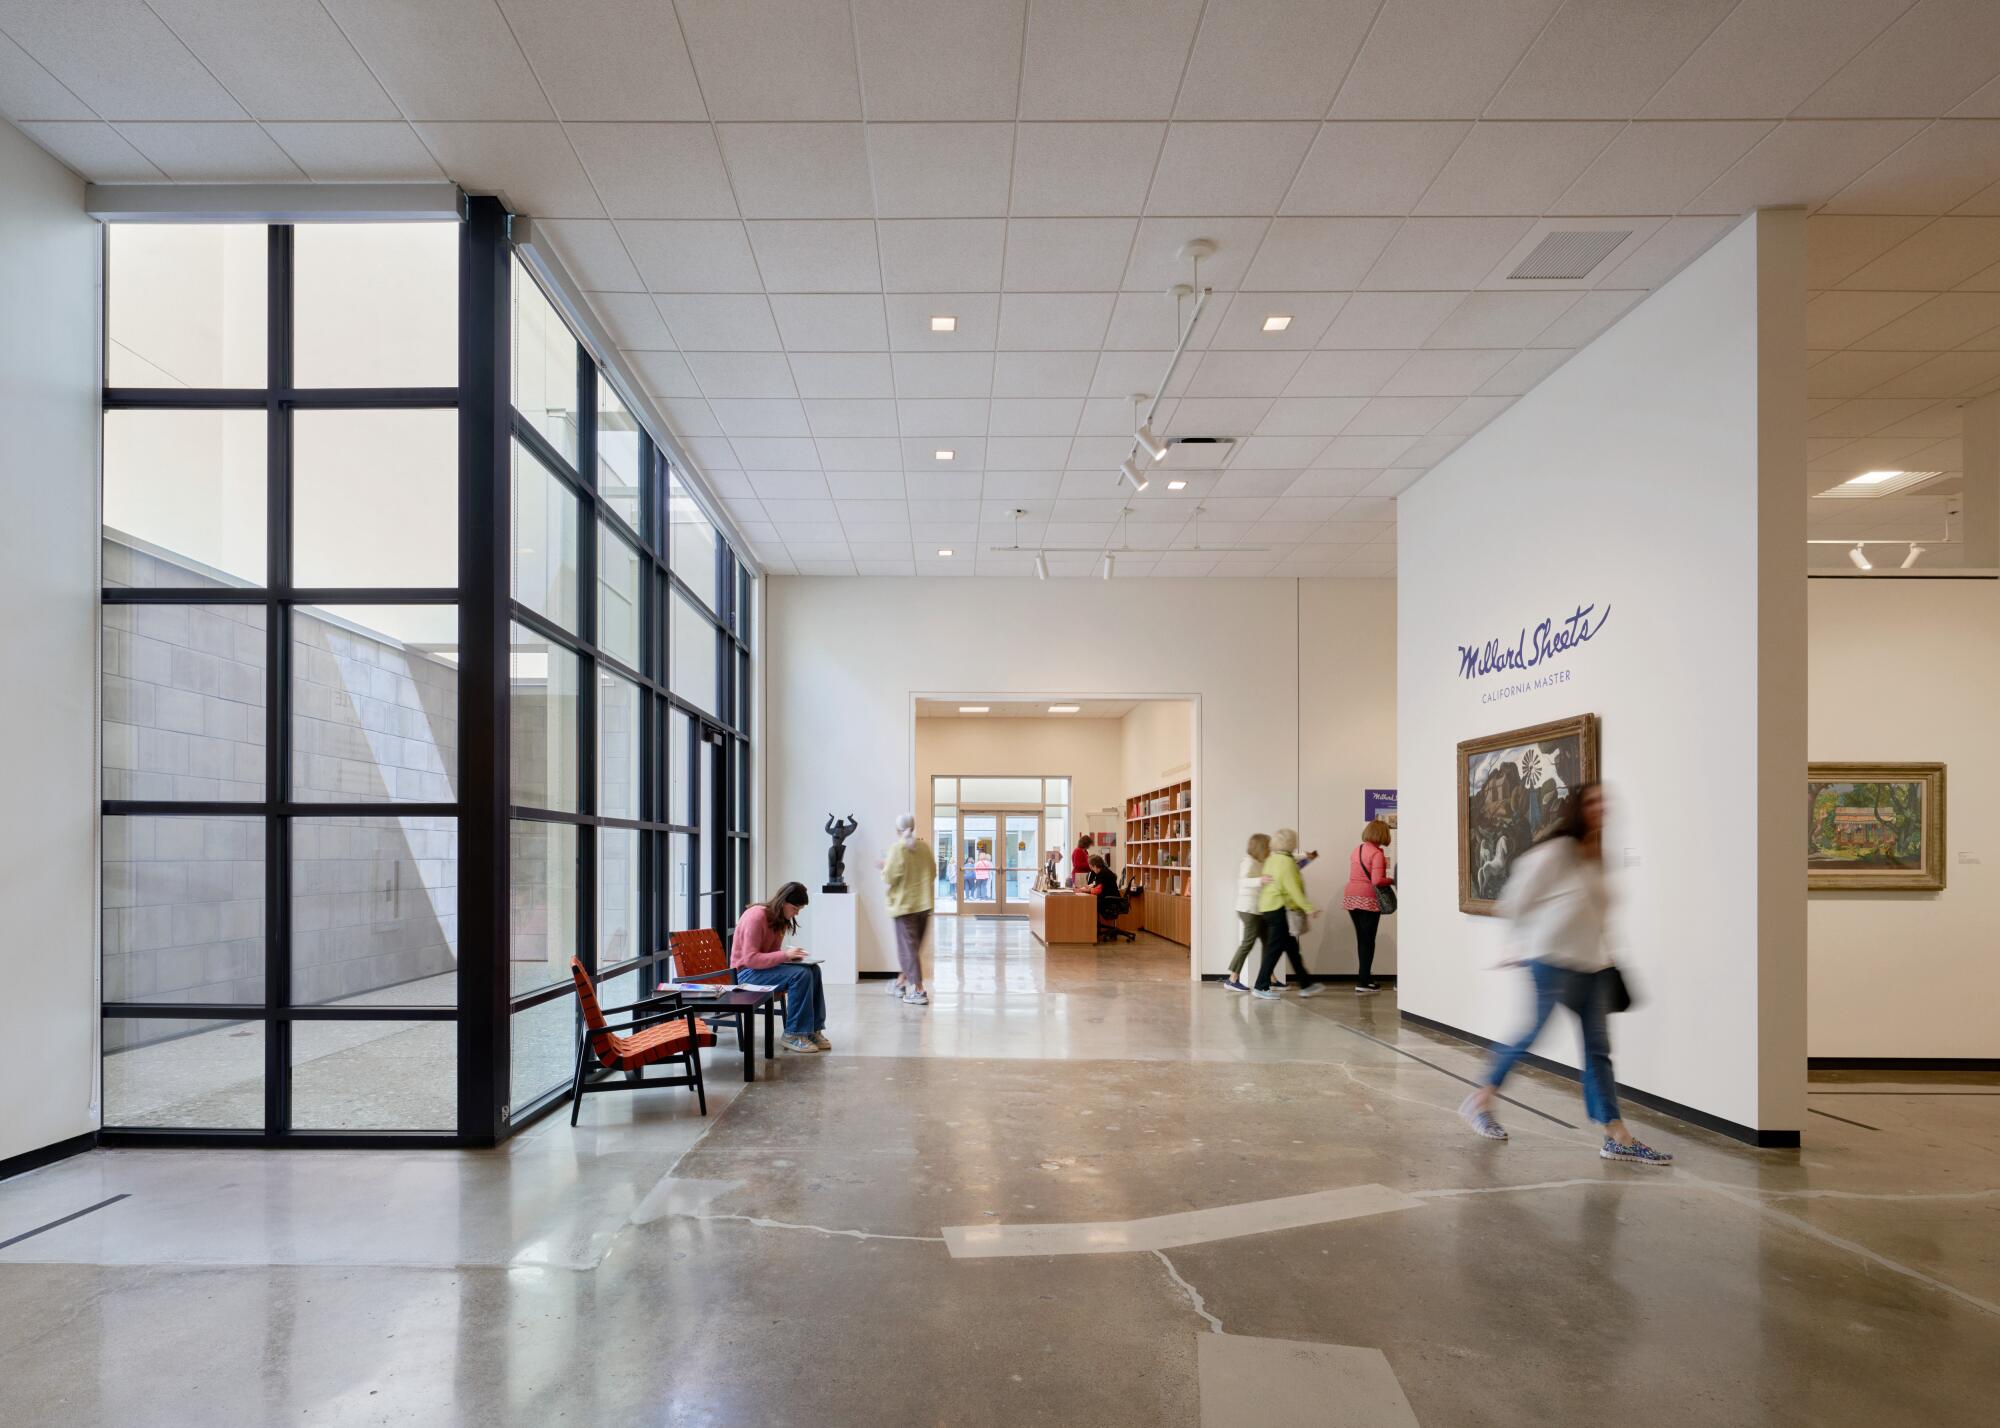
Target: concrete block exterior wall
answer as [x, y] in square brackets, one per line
[374, 899]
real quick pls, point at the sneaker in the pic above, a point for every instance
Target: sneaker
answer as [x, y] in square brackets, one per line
[916, 997]
[1482, 1121]
[1312, 991]
[819, 1040]
[898, 987]
[1365, 989]
[1230, 984]
[804, 1045]
[1638, 1152]
[1279, 986]
[1268, 994]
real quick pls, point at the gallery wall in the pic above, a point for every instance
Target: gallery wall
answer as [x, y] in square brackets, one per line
[1654, 480]
[48, 644]
[1910, 975]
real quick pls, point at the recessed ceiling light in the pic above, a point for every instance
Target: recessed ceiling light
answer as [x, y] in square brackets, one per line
[1065, 708]
[1874, 478]
[1879, 483]
[975, 708]
[945, 551]
[1177, 485]
[944, 324]
[1277, 322]
[943, 455]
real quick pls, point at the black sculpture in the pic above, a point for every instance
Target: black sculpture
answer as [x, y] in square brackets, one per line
[840, 830]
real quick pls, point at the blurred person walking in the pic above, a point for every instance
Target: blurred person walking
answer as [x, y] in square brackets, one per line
[908, 870]
[1250, 881]
[1367, 875]
[1558, 903]
[1284, 893]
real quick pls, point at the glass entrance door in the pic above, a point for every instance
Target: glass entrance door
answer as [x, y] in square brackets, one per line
[997, 856]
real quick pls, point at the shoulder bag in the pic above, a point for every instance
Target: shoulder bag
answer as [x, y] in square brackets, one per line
[1617, 992]
[1385, 896]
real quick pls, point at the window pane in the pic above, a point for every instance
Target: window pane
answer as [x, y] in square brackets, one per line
[1000, 790]
[693, 556]
[680, 884]
[183, 910]
[617, 597]
[184, 701]
[192, 1075]
[545, 540]
[944, 790]
[694, 640]
[617, 896]
[185, 306]
[545, 371]
[541, 1051]
[745, 589]
[680, 734]
[1056, 790]
[541, 929]
[375, 304]
[375, 911]
[375, 704]
[617, 454]
[617, 746]
[375, 1075]
[375, 498]
[544, 682]
[184, 498]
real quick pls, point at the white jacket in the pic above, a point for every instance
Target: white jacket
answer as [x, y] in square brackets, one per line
[1249, 885]
[1560, 906]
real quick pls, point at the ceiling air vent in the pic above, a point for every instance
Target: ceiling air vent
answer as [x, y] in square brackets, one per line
[1197, 453]
[1570, 253]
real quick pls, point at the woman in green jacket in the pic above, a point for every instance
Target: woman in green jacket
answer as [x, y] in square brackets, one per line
[910, 870]
[1284, 892]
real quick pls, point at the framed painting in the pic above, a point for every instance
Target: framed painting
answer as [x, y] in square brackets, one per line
[1511, 787]
[1875, 827]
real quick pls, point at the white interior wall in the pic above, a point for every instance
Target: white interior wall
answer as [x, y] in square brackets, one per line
[1656, 476]
[48, 644]
[838, 717]
[1156, 748]
[1890, 682]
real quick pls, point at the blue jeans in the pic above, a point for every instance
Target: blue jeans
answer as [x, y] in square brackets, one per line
[1582, 993]
[805, 994]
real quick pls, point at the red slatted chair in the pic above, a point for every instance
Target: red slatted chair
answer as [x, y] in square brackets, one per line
[678, 1037]
[700, 957]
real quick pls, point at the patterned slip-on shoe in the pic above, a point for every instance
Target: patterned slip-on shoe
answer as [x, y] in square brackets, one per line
[1637, 1152]
[1481, 1120]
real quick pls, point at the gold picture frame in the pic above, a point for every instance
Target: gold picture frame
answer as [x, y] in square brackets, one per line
[1875, 827]
[1510, 786]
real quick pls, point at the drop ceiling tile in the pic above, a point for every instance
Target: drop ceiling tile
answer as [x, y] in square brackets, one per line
[1244, 374]
[1935, 54]
[1120, 374]
[667, 171]
[1392, 483]
[910, 316]
[941, 254]
[1309, 416]
[1768, 56]
[1438, 59]
[942, 417]
[357, 153]
[1939, 169]
[607, 59]
[119, 58]
[1267, 59]
[445, 59]
[1277, 453]
[664, 374]
[1862, 417]
[1241, 326]
[762, 417]
[1054, 322]
[882, 557]
[1984, 204]
[1514, 168]
[632, 320]
[1675, 244]
[1659, 167]
[1942, 322]
[1090, 170]
[1067, 254]
[530, 165]
[27, 91]
[1377, 321]
[923, 471]
[1986, 280]
[1360, 168]
[713, 453]
[940, 170]
[1332, 485]
[1152, 322]
[1400, 416]
[1368, 509]
[722, 375]
[1157, 263]
[717, 322]
[1983, 104]
[801, 533]
[1589, 316]
[837, 375]
[779, 59]
[1043, 374]
[938, 512]
[1104, 60]
[1032, 454]
[1489, 319]
[1229, 510]
[816, 255]
[1443, 373]
[1375, 451]
[1227, 168]
[922, 60]
[1804, 163]
[1604, 61]
[1950, 374]
[1035, 416]
[779, 456]
[193, 153]
[1523, 371]
[1209, 416]
[880, 491]
[690, 417]
[1443, 253]
[708, 256]
[278, 61]
[830, 322]
[1470, 416]
[1318, 254]
[592, 251]
[1023, 486]
[1850, 374]
[798, 170]
[793, 497]
[1836, 246]
[944, 374]
[1346, 374]
[1937, 257]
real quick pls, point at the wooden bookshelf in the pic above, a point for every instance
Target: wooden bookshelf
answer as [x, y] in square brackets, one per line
[1159, 847]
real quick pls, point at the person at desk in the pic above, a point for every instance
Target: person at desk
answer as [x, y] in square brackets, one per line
[1099, 880]
[1079, 862]
[760, 958]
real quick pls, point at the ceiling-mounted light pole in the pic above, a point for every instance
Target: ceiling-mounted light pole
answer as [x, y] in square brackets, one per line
[1143, 436]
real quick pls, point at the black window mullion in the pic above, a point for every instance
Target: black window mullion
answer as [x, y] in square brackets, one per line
[277, 683]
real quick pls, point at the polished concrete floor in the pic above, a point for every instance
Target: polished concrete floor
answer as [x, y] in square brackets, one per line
[1076, 1189]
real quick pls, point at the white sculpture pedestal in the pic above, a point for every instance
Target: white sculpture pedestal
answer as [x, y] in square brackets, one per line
[829, 934]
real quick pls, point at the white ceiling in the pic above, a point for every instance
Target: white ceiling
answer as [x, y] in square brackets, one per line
[1026, 709]
[767, 201]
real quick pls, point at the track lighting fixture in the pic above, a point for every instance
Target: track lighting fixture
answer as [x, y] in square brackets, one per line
[1860, 559]
[1041, 566]
[1109, 560]
[1154, 448]
[1911, 559]
[1130, 471]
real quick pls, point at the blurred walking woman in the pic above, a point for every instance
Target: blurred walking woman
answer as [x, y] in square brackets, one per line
[1367, 870]
[907, 870]
[1250, 882]
[1558, 903]
[1284, 893]
[761, 959]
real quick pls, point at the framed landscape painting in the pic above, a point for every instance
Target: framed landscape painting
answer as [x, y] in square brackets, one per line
[1875, 827]
[1512, 786]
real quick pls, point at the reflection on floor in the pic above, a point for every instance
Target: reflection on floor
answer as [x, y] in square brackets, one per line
[991, 954]
[1261, 1208]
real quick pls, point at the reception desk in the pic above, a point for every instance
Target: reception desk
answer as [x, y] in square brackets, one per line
[1072, 916]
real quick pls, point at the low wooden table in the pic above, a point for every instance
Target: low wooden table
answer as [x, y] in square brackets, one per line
[738, 1005]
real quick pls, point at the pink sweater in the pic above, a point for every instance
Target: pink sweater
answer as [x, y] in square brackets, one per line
[756, 943]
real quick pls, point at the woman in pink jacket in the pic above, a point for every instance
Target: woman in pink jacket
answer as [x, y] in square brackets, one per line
[761, 959]
[1367, 871]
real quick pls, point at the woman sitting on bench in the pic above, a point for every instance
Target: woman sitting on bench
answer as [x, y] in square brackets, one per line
[761, 959]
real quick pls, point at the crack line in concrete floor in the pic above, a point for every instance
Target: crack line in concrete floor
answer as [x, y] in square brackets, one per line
[1193, 1294]
[764, 1224]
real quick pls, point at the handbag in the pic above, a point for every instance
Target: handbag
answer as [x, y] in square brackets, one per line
[1385, 896]
[1617, 991]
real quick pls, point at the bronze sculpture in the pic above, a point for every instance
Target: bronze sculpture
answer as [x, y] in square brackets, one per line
[840, 830]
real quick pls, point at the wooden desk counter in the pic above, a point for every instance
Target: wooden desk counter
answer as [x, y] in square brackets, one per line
[1062, 917]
